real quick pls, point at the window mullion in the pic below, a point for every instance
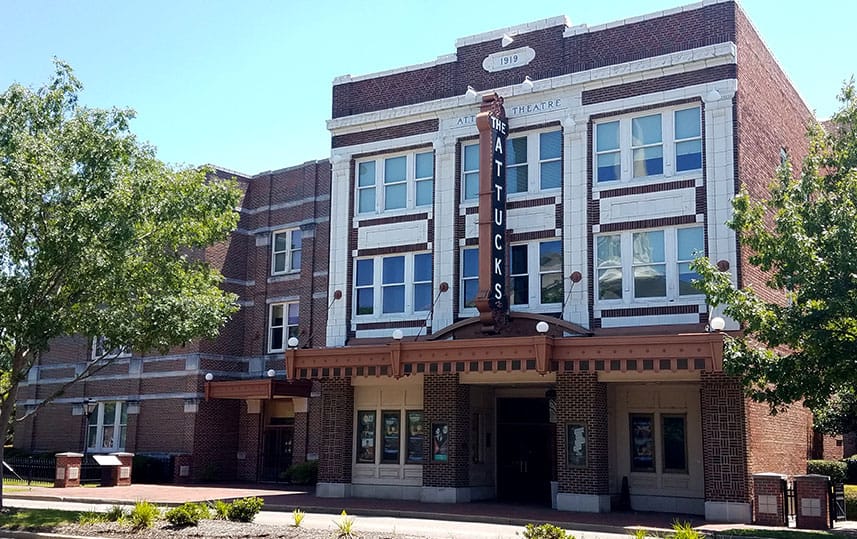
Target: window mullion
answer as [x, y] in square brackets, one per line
[627, 246]
[668, 141]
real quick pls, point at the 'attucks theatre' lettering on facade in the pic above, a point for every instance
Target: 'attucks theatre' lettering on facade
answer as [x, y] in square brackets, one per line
[524, 109]
[491, 300]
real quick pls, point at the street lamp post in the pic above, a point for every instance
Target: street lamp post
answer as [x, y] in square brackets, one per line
[89, 406]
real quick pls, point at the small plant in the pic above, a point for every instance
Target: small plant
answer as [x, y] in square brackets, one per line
[638, 533]
[116, 513]
[298, 515]
[221, 510]
[345, 525]
[187, 514]
[91, 517]
[143, 515]
[683, 530]
[245, 509]
[545, 531]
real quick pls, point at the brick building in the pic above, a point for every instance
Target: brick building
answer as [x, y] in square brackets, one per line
[603, 384]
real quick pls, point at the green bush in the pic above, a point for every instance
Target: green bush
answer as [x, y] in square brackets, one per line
[245, 509]
[144, 515]
[835, 469]
[851, 502]
[545, 531]
[304, 473]
[221, 510]
[116, 513]
[187, 514]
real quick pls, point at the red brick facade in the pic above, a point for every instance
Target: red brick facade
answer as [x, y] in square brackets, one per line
[446, 402]
[581, 399]
[724, 439]
[337, 431]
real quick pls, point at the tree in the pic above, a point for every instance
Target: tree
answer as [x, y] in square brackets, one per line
[803, 237]
[98, 238]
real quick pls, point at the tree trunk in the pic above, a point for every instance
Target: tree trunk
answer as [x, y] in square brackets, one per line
[7, 406]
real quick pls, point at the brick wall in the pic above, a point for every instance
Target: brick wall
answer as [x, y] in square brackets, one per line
[337, 431]
[849, 444]
[581, 399]
[215, 440]
[249, 436]
[778, 443]
[314, 415]
[447, 402]
[724, 438]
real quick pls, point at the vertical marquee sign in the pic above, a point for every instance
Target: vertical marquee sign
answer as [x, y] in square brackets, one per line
[491, 300]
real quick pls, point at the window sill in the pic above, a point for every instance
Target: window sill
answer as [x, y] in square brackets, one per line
[384, 214]
[287, 276]
[623, 183]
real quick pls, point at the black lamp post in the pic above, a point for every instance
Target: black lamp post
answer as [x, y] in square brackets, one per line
[89, 406]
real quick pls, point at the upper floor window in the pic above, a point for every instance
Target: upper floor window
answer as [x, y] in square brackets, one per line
[648, 264]
[469, 277]
[648, 145]
[107, 426]
[536, 274]
[102, 348]
[286, 251]
[389, 285]
[395, 183]
[533, 164]
[282, 325]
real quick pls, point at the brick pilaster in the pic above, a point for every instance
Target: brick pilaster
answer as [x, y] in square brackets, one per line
[300, 438]
[249, 436]
[812, 503]
[447, 402]
[769, 499]
[724, 439]
[581, 399]
[337, 431]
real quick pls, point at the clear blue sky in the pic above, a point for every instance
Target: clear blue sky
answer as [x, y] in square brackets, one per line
[246, 84]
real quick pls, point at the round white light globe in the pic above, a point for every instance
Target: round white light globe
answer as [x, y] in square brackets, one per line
[717, 323]
[293, 342]
[271, 373]
[542, 327]
[209, 377]
[397, 334]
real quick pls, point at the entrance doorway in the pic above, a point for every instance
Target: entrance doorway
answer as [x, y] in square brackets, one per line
[277, 452]
[526, 454]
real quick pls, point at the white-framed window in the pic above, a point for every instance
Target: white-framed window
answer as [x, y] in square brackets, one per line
[395, 182]
[533, 164]
[647, 265]
[101, 348]
[285, 251]
[648, 145]
[469, 277]
[107, 425]
[536, 274]
[282, 324]
[393, 285]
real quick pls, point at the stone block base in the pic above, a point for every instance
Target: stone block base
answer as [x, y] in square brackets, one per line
[333, 490]
[737, 512]
[583, 503]
[445, 495]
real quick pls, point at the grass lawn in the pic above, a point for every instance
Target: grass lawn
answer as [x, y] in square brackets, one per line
[22, 519]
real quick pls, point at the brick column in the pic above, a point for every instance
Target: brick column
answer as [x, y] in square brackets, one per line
[300, 438]
[67, 470]
[446, 403]
[123, 471]
[769, 499]
[337, 438]
[812, 503]
[582, 400]
[249, 435]
[724, 449]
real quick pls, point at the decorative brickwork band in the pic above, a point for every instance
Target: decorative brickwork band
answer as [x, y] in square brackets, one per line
[337, 431]
[447, 403]
[582, 400]
[724, 439]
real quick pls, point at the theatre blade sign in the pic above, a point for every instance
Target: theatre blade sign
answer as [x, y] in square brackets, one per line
[491, 300]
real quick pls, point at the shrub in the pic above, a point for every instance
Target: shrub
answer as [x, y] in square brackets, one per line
[90, 517]
[143, 515]
[304, 473]
[545, 531]
[851, 471]
[683, 530]
[638, 533]
[851, 502]
[833, 468]
[298, 515]
[221, 510]
[245, 509]
[345, 525]
[116, 513]
[187, 514]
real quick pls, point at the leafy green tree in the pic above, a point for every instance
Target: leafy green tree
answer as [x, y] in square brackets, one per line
[804, 237]
[98, 238]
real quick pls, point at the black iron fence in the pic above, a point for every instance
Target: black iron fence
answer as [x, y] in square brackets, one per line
[29, 470]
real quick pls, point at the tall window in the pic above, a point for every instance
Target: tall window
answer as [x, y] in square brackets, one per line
[536, 273]
[286, 251]
[533, 164]
[648, 145]
[400, 284]
[658, 446]
[395, 183]
[282, 325]
[107, 426]
[469, 277]
[397, 443]
[656, 263]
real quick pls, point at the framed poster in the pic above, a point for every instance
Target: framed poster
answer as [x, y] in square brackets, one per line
[415, 437]
[390, 425]
[576, 444]
[440, 442]
[642, 443]
[366, 436]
